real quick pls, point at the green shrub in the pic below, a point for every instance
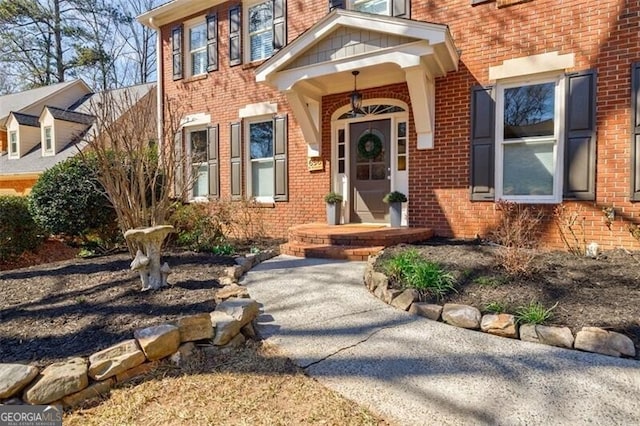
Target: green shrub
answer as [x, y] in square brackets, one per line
[67, 199]
[196, 228]
[534, 313]
[18, 230]
[225, 249]
[410, 270]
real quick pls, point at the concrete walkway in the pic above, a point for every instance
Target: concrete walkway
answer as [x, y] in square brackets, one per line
[419, 372]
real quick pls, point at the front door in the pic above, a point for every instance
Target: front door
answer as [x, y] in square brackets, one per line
[370, 170]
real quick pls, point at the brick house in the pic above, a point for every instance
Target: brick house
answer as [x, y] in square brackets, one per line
[457, 104]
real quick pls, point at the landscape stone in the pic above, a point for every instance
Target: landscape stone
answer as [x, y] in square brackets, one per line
[242, 310]
[226, 281]
[461, 316]
[116, 359]
[136, 372]
[528, 333]
[249, 331]
[265, 255]
[233, 290]
[405, 299]
[426, 310]
[390, 294]
[368, 271]
[244, 263]
[234, 343]
[500, 325]
[183, 354]
[227, 327]
[594, 339]
[195, 327]
[159, 341]
[14, 377]
[98, 389]
[234, 272]
[57, 381]
[555, 336]
[379, 280]
[379, 292]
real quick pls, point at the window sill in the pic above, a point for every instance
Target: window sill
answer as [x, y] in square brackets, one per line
[530, 200]
[195, 78]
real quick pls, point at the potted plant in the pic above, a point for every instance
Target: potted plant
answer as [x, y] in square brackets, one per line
[334, 204]
[395, 200]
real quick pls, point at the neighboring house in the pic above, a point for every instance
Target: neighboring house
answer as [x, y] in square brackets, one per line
[41, 127]
[458, 104]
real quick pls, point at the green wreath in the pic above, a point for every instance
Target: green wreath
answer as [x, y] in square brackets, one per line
[369, 146]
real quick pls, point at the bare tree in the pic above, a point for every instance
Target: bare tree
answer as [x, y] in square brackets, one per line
[140, 41]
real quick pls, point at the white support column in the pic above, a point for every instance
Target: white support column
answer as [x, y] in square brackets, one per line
[306, 108]
[423, 102]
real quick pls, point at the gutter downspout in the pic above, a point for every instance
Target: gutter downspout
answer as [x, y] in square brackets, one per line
[159, 82]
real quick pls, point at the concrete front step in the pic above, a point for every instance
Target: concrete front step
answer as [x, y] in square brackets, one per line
[357, 236]
[325, 251]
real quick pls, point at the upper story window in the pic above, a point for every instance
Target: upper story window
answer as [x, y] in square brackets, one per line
[260, 23]
[48, 140]
[198, 48]
[13, 144]
[528, 136]
[378, 7]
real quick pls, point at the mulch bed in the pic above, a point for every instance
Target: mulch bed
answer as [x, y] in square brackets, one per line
[602, 292]
[77, 307]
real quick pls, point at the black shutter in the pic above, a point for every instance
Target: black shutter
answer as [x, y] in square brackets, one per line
[483, 125]
[212, 42]
[401, 8]
[235, 40]
[335, 4]
[281, 192]
[176, 45]
[279, 24]
[635, 131]
[212, 157]
[580, 139]
[236, 161]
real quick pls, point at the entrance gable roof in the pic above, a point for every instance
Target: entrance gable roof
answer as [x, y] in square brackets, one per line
[436, 36]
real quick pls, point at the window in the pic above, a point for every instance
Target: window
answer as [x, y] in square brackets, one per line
[528, 118]
[13, 144]
[48, 141]
[198, 48]
[260, 31]
[261, 159]
[199, 165]
[378, 7]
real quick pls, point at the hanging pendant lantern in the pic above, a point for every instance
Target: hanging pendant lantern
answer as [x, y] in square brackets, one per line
[356, 97]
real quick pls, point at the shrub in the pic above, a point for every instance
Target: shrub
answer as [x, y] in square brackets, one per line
[571, 227]
[534, 313]
[395, 197]
[333, 198]
[18, 231]
[196, 228]
[67, 199]
[399, 266]
[496, 307]
[518, 234]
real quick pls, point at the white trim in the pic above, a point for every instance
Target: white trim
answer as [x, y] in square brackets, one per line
[188, 131]
[257, 109]
[173, 11]
[199, 119]
[247, 158]
[13, 154]
[534, 64]
[352, 4]
[557, 139]
[47, 152]
[186, 45]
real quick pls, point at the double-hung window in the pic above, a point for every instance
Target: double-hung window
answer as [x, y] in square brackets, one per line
[378, 7]
[260, 137]
[13, 144]
[199, 164]
[48, 140]
[529, 117]
[260, 23]
[198, 48]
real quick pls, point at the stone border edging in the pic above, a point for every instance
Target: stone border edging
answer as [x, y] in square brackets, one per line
[588, 339]
[69, 383]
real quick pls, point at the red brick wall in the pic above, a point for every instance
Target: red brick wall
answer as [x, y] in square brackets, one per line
[222, 93]
[602, 35]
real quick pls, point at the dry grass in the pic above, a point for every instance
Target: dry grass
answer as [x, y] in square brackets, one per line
[252, 386]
